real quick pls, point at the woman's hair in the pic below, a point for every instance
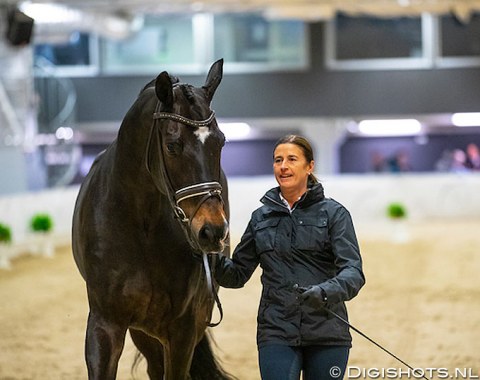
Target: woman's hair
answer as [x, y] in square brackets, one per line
[306, 148]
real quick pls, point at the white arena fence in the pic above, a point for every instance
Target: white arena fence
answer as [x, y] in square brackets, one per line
[17, 210]
[425, 197]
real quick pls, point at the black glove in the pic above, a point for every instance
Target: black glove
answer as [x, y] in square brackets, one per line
[313, 296]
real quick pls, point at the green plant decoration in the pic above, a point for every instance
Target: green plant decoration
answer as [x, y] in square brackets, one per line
[396, 211]
[5, 234]
[41, 223]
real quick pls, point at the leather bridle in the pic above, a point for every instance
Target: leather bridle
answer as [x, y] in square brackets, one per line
[205, 190]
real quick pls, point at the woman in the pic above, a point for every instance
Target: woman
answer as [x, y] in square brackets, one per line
[305, 241]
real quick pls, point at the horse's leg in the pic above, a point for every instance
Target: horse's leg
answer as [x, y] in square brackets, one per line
[179, 351]
[103, 347]
[152, 349]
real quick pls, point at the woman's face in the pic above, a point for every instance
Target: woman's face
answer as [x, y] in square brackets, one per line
[291, 168]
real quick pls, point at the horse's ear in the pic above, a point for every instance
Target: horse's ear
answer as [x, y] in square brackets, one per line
[214, 78]
[164, 90]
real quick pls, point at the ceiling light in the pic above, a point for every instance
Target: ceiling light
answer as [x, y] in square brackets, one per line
[392, 127]
[235, 131]
[64, 133]
[466, 119]
[50, 13]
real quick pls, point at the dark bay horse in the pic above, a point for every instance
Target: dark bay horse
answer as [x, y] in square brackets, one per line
[151, 206]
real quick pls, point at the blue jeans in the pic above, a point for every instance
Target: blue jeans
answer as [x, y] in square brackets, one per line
[278, 362]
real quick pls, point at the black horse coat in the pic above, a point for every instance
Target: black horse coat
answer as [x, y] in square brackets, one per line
[137, 242]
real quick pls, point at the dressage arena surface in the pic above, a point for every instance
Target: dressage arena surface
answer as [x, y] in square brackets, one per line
[421, 301]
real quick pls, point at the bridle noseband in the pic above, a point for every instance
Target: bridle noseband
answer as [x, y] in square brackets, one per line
[205, 190]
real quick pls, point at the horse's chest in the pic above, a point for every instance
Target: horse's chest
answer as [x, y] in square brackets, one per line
[179, 297]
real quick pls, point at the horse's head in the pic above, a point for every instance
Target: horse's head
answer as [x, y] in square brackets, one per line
[184, 158]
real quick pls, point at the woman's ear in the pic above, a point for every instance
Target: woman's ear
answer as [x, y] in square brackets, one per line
[311, 166]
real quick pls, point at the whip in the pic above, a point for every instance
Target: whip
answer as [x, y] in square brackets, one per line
[372, 341]
[302, 289]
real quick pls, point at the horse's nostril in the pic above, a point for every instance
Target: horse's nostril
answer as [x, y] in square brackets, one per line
[211, 234]
[206, 233]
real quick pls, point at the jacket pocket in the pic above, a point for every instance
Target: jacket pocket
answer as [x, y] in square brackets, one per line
[265, 232]
[312, 234]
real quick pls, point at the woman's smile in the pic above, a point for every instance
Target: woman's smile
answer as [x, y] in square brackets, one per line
[291, 170]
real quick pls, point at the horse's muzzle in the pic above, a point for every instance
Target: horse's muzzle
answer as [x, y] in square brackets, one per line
[212, 237]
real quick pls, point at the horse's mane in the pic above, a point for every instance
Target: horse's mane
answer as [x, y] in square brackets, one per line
[147, 86]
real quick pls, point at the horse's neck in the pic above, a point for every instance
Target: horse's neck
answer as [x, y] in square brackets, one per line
[129, 175]
[124, 170]
[129, 154]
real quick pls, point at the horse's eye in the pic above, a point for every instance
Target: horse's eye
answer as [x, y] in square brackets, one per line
[173, 148]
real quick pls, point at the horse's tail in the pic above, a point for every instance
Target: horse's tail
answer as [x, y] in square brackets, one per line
[205, 366]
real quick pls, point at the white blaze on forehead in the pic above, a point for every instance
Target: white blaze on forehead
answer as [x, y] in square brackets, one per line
[202, 133]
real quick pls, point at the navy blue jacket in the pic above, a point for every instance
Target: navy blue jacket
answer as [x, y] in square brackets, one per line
[313, 244]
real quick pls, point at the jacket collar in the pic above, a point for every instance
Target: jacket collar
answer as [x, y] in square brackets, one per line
[272, 198]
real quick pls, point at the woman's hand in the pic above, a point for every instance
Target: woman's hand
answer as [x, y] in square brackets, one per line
[313, 296]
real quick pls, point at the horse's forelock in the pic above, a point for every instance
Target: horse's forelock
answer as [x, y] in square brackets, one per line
[189, 94]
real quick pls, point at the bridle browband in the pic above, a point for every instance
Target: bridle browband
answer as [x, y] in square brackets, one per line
[184, 120]
[205, 190]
